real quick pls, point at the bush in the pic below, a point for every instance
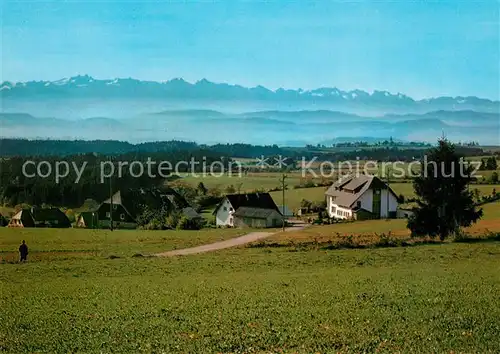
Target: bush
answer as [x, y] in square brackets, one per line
[185, 223]
[204, 201]
[3, 221]
[494, 177]
[172, 221]
[70, 214]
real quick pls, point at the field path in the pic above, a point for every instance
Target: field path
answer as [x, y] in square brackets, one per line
[237, 241]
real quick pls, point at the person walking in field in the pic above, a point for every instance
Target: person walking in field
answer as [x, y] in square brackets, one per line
[23, 251]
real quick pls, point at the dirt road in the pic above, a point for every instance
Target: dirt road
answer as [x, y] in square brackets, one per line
[237, 241]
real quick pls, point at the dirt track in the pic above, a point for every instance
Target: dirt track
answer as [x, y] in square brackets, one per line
[237, 241]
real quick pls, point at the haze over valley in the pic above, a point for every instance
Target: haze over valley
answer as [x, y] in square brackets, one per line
[83, 107]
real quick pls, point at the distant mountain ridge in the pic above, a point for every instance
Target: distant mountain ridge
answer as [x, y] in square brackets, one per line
[261, 127]
[88, 87]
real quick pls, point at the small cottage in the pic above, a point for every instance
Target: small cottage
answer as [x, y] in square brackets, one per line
[40, 217]
[251, 210]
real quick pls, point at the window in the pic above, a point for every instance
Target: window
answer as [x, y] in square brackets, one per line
[225, 208]
[122, 216]
[107, 214]
[115, 206]
[230, 209]
[358, 203]
[230, 220]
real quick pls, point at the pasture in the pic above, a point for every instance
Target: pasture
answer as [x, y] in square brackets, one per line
[366, 232]
[432, 298]
[76, 243]
[293, 197]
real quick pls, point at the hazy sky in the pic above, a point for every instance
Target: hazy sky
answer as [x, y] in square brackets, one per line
[425, 48]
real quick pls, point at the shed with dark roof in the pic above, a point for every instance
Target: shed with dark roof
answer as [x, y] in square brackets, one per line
[251, 209]
[40, 217]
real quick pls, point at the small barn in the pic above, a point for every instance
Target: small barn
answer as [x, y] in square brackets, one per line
[88, 220]
[40, 217]
[257, 217]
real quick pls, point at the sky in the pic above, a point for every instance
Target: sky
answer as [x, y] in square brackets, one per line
[421, 48]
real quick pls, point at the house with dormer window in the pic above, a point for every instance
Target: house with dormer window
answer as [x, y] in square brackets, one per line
[361, 197]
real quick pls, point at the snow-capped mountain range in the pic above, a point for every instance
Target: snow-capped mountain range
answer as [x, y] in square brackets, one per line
[128, 109]
[86, 86]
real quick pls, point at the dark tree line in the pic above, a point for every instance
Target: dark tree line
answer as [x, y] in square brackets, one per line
[22, 147]
[18, 186]
[489, 164]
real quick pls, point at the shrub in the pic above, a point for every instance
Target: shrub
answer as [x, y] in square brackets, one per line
[185, 223]
[70, 214]
[172, 221]
[494, 177]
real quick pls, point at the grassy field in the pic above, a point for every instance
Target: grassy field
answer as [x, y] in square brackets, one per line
[248, 182]
[365, 231]
[293, 197]
[433, 298]
[75, 243]
[407, 190]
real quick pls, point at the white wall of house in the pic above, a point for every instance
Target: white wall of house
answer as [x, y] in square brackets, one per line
[336, 211]
[224, 217]
[393, 203]
[365, 202]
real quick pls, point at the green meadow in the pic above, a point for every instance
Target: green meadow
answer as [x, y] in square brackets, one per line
[431, 298]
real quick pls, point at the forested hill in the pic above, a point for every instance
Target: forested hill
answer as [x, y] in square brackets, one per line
[22, 147]
[106, 148]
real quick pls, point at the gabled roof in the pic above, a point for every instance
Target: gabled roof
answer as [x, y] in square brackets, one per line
[134, 200]
[349, 189]
[190, 213]
[252, 200]
[48, 215]
[255, 213]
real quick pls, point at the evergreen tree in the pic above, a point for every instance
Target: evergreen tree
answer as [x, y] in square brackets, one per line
[491, 164]
[202, 190]
[445, 204]
[484, 165]
[494, 177]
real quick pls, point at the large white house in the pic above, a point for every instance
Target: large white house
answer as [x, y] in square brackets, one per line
[251, 209]
[361, 197]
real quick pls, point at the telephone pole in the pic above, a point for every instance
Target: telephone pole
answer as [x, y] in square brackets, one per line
[388, 181]
[283, 186]
[110, 200]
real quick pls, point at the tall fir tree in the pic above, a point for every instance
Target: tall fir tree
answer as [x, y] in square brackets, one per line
[445, 203]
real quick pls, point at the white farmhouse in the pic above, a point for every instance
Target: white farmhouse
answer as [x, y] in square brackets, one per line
[361, 197]
[251, 210]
